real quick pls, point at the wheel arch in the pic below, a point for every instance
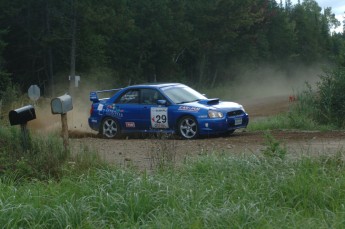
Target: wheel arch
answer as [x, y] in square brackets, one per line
[108, 116]
[178, 119]
[185, 116]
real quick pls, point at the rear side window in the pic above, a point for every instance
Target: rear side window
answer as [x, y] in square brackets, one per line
[131, 97]
[150, 96]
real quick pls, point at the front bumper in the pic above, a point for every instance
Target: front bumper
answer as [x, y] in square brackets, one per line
[212, 126]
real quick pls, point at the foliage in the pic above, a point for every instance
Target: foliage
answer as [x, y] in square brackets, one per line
[321, 108]
[4, 77]
[10, 98]
[209, 192]
[273, 148]
[37, 157]
[330, 98]
[163, 152]
[30, 157]
[197, 42]
[294, 119]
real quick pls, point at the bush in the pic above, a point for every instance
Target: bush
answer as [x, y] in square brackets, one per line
[35, 158]
[273, 148]
[331, 97]
[323, 108]
[10, 98]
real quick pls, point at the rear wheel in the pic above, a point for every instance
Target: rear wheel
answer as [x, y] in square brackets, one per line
[188, 127]
[110, 128]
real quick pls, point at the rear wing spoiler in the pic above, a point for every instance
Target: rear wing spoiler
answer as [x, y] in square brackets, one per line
[94, 94]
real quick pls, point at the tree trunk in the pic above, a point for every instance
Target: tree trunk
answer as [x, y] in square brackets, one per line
[49, 54]
[73, 47]
[202, 69]
[214, 78]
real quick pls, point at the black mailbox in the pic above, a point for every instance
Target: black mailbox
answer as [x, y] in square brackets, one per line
[22, 115]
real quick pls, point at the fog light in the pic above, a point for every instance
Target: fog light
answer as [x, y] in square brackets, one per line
[206, 125]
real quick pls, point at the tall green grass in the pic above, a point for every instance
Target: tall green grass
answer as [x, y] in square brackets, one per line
[207, 192]
[316, 109]
[40, 157]
[288, 121]
[304, 114]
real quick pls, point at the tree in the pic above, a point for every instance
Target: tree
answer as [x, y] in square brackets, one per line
[196, 41]
[281, 37]
[4, 77]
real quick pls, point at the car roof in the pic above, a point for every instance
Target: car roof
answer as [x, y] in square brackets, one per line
[155, 85]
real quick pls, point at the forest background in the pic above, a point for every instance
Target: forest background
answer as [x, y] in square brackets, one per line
[204, 43]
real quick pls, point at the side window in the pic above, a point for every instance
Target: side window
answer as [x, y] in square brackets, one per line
[150, 96]
[131, 96]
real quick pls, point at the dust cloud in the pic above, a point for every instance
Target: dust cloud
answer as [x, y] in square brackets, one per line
[250, 87]
[266, 90]
[268, 81]
[77, 118]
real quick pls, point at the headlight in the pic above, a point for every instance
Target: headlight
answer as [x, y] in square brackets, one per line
[215, 114]
[242, 108]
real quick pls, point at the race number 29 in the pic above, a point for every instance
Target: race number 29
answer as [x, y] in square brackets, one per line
[159, 117]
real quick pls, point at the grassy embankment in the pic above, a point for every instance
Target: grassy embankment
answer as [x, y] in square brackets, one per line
[267, 191]
[263, 191]
[211, 192]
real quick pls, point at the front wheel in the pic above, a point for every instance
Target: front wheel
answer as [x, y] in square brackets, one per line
[228, 133]
[188, 127]
[110, 128]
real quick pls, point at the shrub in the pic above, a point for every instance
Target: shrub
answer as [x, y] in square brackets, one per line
[10, 98]
[331, 97]
[39, 157]
[273, 148]
[324, 106]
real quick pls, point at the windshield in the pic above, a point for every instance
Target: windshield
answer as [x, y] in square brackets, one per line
[183, 94]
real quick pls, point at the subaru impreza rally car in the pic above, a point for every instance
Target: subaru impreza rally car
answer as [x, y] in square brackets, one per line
[163, 108]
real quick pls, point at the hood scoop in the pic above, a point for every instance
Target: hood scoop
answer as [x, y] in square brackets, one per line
[210, 101]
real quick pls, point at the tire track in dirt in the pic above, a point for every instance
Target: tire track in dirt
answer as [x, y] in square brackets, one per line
[145, 152]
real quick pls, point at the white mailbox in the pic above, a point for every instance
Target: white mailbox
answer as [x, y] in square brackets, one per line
[61, 104]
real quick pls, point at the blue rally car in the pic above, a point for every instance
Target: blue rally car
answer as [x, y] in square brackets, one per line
[163, 108]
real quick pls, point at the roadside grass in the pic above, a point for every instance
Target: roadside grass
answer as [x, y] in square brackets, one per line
[48, 187]
[289, 121]
[39, 157]
[301, 116]
[210, 191]
[315, 109]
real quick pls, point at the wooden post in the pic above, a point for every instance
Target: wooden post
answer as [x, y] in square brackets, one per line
[61, 105]
[24, 137]
[64, 131]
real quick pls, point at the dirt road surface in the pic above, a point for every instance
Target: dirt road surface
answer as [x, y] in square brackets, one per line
[146, 153]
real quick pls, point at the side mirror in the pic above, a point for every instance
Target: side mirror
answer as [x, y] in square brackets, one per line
[162, 102]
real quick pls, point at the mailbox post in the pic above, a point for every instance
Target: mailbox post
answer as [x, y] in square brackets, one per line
[20, 117]
[61, 105]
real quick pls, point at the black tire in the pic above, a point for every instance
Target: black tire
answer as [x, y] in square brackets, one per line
[110, 128]
[227, 133]
[187, 127]
[230, 132]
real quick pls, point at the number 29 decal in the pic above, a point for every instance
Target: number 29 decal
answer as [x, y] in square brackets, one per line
[159, 117]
